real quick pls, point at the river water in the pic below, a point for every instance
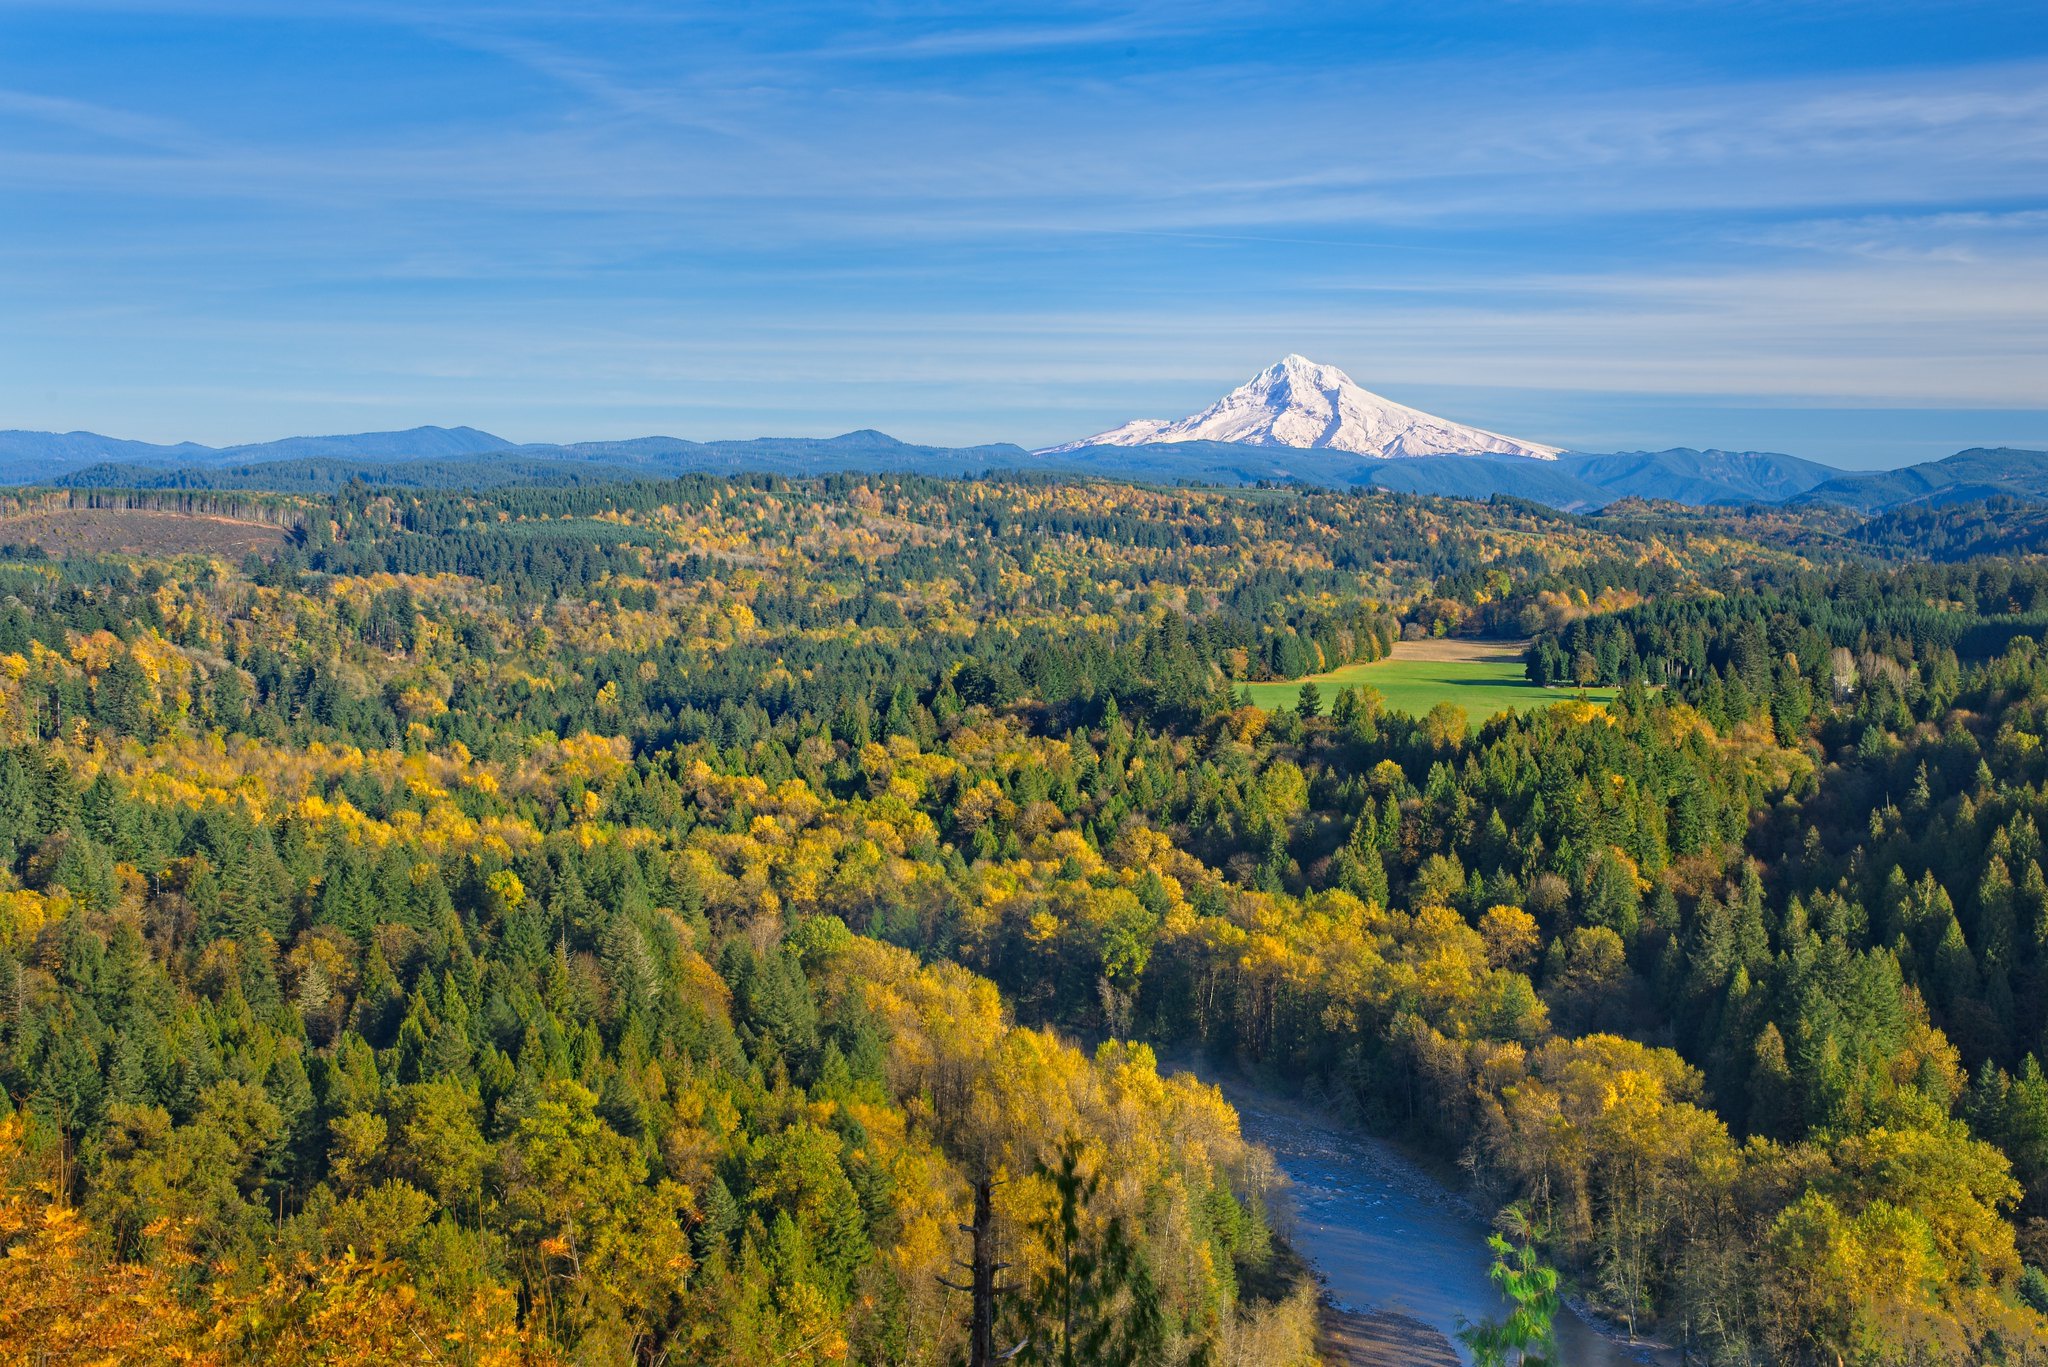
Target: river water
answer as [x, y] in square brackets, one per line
[1387, 1236]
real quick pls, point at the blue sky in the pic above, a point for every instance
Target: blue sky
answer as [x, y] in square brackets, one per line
[1812, 227]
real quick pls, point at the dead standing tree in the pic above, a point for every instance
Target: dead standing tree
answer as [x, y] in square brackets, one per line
[983, 1269]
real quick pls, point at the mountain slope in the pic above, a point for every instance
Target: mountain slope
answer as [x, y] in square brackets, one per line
[862, 450]
[1552, 483]
[439, 454]
[323, 474]
[1297, 403]
[415, 443]
[1573, 482]
[44, 455]
[39, 455]
[450, 457]
[1685, 475]
[1965, 477]
[1956, 531]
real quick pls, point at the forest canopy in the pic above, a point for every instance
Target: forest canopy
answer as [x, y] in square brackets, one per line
[644, 922]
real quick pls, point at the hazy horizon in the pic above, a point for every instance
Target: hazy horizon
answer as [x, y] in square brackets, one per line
[1849, 438]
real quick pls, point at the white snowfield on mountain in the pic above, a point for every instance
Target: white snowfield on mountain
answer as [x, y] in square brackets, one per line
[1299, 403]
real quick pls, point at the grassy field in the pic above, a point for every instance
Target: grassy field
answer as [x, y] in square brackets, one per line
[1484, 678]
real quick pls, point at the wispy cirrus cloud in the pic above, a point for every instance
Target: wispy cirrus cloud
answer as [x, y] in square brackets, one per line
[98, 120]
[1032, 202]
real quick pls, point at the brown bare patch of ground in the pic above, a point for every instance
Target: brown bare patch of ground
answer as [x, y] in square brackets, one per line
[1461, 651]
[1381, 1339]
[137, 531]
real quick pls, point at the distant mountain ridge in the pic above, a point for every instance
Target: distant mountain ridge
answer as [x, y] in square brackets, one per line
[1685, 475]
[865, 449]
[87, 459]
[1298, 403]
[1966, 477]
[413, 443]
[33, 450]
[43, 455]
[1573, 482]
[455, 457]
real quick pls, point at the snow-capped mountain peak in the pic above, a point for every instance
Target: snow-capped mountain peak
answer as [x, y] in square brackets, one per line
[1296, 402]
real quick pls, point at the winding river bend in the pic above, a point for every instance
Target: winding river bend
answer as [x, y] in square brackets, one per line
[1390, 1241]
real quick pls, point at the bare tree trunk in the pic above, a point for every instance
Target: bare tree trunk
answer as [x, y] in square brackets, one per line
[982, 1269]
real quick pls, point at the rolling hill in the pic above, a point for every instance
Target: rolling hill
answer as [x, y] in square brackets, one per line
[445, 457]
[1966, 477]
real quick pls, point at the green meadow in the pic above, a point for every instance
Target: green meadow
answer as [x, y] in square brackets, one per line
[1484, 678]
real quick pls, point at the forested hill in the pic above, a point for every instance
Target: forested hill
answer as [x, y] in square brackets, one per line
[464, 458]
[1967, 477]
[628, 922]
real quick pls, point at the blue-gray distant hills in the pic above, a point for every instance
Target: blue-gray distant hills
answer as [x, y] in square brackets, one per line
[1580, 481]
[460, 457]
[1970, 476]
[27, 456]
[457, 457]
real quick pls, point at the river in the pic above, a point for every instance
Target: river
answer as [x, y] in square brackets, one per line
[1386, 1236]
